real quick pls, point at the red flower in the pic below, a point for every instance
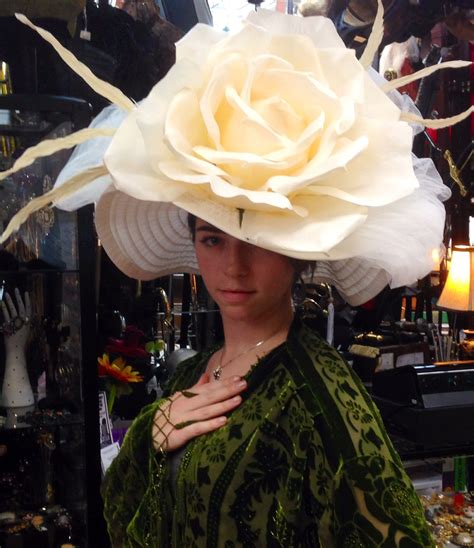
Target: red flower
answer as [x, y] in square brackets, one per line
[129, 346]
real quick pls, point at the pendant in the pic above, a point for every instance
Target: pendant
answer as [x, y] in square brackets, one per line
[216, 373]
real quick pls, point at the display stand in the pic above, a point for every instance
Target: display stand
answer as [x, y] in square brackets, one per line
[50, 464]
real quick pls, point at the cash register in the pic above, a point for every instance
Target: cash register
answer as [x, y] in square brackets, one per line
[432, 404]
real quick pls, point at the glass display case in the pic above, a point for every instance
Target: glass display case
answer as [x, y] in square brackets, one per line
[49, 435]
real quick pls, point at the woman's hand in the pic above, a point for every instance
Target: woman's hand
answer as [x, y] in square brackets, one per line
[190, 413]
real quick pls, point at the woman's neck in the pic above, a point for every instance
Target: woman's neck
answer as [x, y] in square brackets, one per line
[240, 334]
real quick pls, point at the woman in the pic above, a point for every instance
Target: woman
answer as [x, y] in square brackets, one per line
[286, 148]
[269, 440]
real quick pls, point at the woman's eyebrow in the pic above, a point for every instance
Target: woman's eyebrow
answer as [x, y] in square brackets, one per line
[208, 228]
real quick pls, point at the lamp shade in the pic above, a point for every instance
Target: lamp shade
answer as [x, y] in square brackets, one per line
[459, 287]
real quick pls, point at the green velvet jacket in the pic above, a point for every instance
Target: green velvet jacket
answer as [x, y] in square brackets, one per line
[303, 462]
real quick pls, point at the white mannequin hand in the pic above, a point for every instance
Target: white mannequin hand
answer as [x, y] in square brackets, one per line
[16, 390]
[17, 320]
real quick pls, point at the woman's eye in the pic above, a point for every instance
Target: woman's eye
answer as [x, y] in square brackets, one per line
[210, 241]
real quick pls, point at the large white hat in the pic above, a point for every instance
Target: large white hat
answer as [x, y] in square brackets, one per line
[279, 136]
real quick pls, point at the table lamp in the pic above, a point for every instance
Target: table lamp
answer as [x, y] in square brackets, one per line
[458, 294]
[458, 291]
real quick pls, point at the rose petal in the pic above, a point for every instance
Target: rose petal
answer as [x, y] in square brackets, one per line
[261, 64]
[345, 151]
[301, 90]
[194, 201]
[194, 45]
[231, 71]
[184, 128]
[319, 29]
[329, 221]
[152, 111]
[387, 160]
[128, 141]
[349, 82]
[244, 198]
[245, 130]
[250, 41]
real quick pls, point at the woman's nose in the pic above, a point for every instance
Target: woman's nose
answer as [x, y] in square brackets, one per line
[237, 259]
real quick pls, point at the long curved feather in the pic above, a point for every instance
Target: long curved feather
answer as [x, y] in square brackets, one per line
[110, 92]
[50, 146]
[375, 38]
[73, 185]
[438, 123]
[404, 80]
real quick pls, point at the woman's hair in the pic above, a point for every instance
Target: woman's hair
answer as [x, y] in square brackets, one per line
[192, 226]
[300, 265]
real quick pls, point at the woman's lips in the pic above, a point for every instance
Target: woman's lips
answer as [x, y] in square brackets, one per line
[236, 296]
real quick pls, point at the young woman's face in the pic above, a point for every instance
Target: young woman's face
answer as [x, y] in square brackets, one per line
[247, 282]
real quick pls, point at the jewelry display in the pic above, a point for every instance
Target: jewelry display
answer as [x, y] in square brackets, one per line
[15, 324]
[55, 521]
[16, 390]
[450, 522]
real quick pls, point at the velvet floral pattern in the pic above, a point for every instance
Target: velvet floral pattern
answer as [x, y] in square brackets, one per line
[303, 462]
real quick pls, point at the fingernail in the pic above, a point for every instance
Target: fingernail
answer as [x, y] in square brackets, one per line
[241, 384]
[235, 379]
[236, 399]
[222, 420]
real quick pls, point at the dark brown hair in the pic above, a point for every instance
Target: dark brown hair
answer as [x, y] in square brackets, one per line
[192, 225]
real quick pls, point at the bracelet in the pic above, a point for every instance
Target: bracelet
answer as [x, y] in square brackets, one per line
[12, 326]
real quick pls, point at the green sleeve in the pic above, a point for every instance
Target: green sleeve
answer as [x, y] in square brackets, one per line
[372, 504]
[135, 476]
[355, 477]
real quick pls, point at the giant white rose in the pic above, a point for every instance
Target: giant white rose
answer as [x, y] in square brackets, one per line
[278, 136]
[279, 120]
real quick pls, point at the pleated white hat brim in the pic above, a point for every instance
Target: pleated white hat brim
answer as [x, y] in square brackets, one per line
[147, 240]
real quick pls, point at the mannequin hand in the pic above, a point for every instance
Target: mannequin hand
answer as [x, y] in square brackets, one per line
[191, 413]
[16, 321]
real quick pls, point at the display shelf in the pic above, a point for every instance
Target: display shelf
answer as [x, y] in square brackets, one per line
[28, 272]
[50, 458]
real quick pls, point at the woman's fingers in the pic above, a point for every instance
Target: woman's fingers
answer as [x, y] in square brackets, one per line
[197, 428]
[211, 393]
[214, 410]
[176, 438]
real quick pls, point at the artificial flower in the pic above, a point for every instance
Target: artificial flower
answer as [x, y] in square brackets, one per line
[118, 376]
[118, 369]
[280, 117]
[129, 345]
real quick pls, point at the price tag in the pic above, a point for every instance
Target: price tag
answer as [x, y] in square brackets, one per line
[85, 35]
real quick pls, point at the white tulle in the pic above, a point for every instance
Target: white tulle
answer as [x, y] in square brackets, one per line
[401, 237]
[87, 155]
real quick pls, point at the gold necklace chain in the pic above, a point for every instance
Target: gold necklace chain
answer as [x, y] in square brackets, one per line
[217, 372]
